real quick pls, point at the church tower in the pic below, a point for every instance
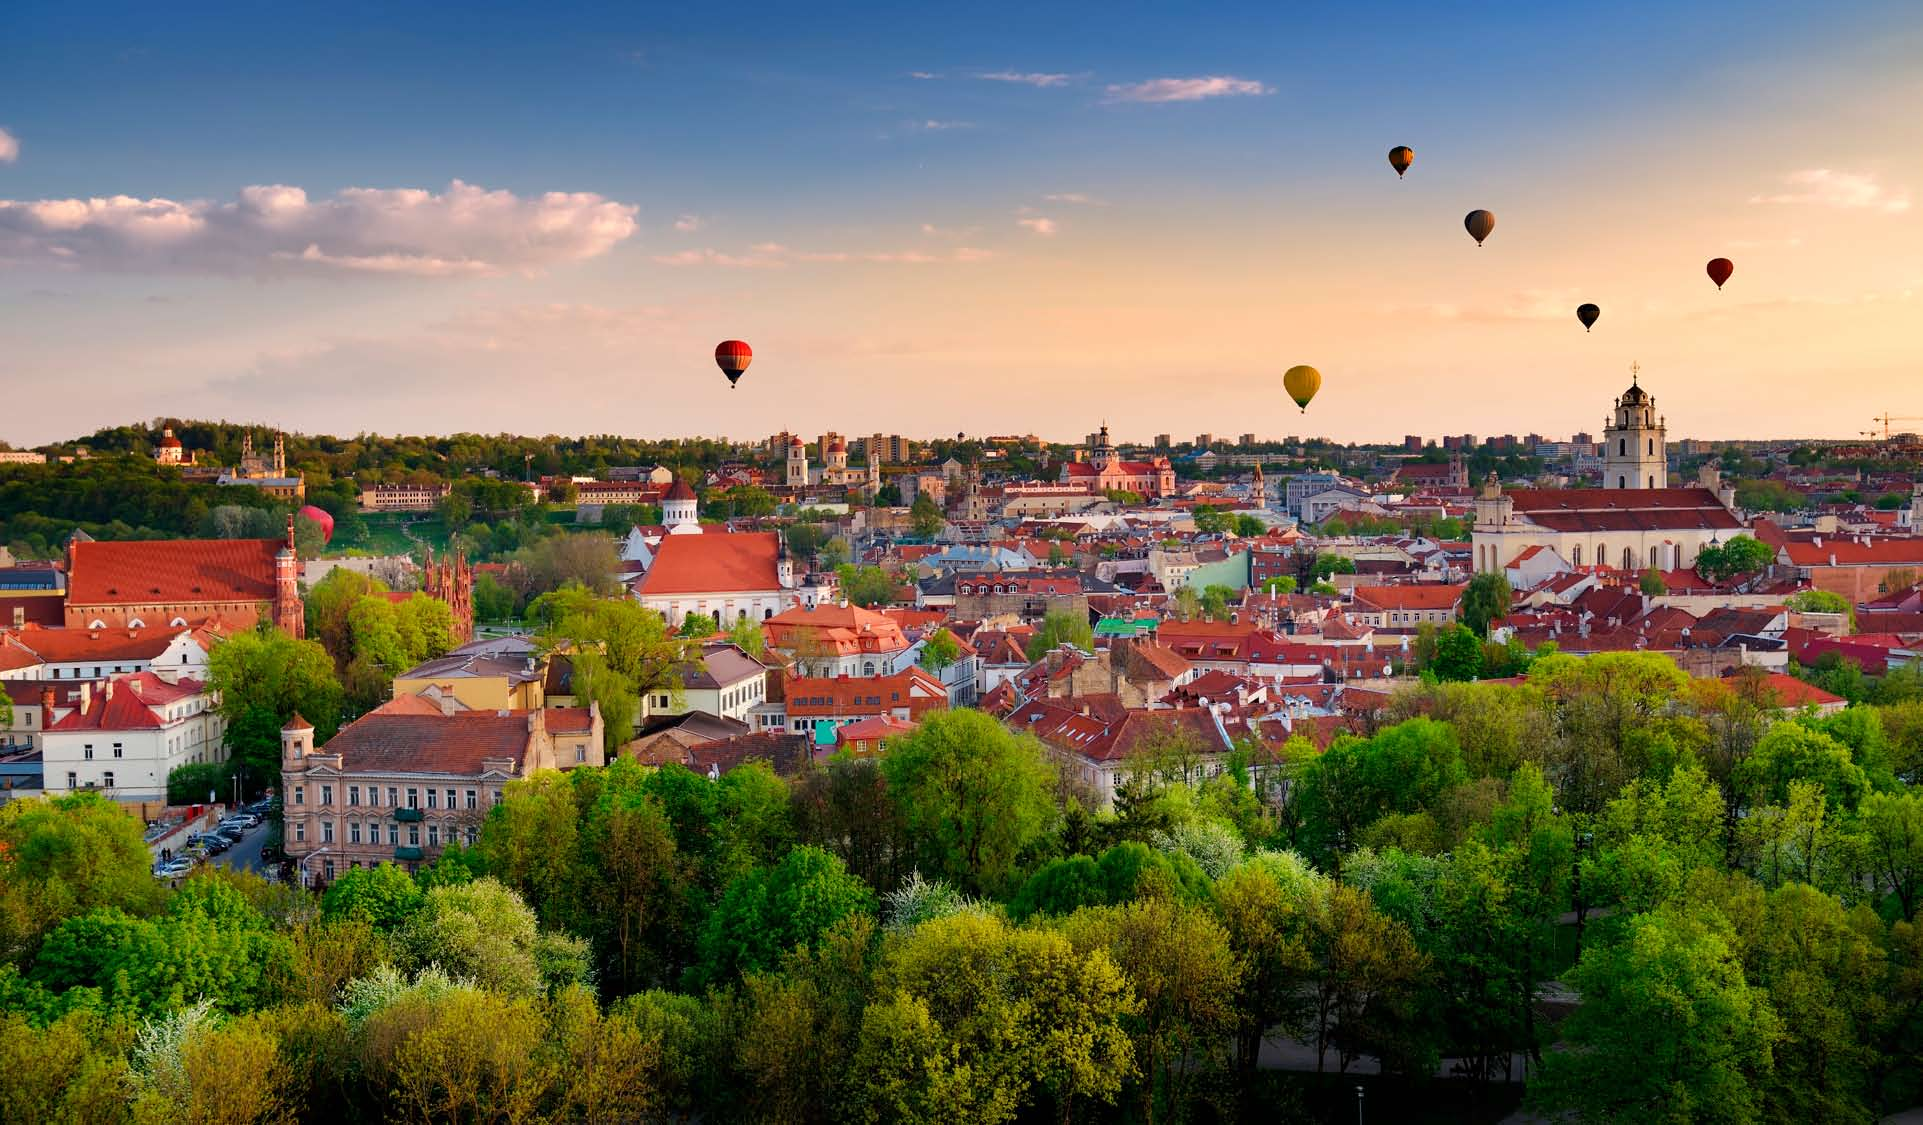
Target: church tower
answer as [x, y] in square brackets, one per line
[1104, 450]
[1259, 491]
[1633, 452]
[290, 616]
[678, 513]
[797, 464]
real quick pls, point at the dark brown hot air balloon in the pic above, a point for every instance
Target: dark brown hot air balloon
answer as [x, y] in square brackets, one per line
[1720, 269]
[1400, 157]
[1588, 314]
[733, 357]
[1479, 223]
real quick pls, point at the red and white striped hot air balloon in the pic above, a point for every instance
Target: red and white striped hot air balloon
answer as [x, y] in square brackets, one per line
[733, 357]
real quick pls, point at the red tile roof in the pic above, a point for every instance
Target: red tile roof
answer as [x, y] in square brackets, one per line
[1414, 597]
[1615, 509]
[171, 571]
[1844, 551]
[127, 703]
[388, 742]
[713, 563]
[1792, 693]
[821, 697]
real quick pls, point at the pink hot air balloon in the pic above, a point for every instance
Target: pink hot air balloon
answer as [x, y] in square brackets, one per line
[322, 518]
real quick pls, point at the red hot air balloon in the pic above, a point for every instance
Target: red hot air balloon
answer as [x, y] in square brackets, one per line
[733, 357]
[322, 517]
[1720, 269]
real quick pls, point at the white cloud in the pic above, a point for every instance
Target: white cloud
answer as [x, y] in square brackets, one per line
[1039, 224]
[1826, 187]
[1186, 89]
[9, 147]
[773, 255]
[924, 75]
[277, 229]
[1042, 80]
[1079, 198]
[932, 126]
[687, 223]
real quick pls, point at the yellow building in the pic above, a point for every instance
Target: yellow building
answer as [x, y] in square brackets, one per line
[484, 675]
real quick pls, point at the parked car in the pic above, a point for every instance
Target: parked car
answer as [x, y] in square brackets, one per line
[242, 819]
[174, 868]
[214, 844]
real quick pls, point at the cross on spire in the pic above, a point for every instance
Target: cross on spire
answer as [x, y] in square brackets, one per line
[1635, 372]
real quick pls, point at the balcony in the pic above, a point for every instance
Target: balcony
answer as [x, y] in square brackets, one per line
[407, 814]
[406, 853]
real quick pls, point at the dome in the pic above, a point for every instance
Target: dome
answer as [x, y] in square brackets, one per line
[794, 441]
[837, 446]
[679, 491]
[168, 440]
[1634, 396]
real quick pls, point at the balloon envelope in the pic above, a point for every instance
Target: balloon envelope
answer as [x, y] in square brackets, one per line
[1588, 314]
[322, 517]
[1479, 223]
[1302, 381]
[1400, 157]
[733, 357]
[1720, 269]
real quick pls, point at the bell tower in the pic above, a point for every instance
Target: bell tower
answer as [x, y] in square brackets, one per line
[1634, 455]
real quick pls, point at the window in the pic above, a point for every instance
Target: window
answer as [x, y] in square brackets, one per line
[432, 799]
[300, 832]
[392, 800]
[300, 794]
[1622, 481]
[327, 794]
[107, 780]
[119, 751]
[1622, 447]
[581, 753]
[86, 752]
[1652, 480]
[470, 835]
[450, 800]
[327, 831]
[495, 797]
[353, 831]
[1652, 447]
[470, 799]
[413, 835]
[353, 795]
[72, 781]
[434, 835]
[413, 797]
[393, 835]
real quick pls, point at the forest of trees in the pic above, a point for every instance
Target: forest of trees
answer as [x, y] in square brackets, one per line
[1658, 898]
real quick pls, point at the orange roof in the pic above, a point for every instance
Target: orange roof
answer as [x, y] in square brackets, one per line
[1844, 551]
[1408, 597]
[127, 703]
[716, 563]
[171, 571]
[820, 697]
[1793, 693]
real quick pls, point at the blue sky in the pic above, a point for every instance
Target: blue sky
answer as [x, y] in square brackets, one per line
[1067, 210]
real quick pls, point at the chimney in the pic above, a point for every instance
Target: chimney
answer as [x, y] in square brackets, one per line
[107, 691]
[46, 704]
[447, 704]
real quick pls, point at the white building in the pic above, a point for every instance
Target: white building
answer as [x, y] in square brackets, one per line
[730, 577]
[728, 682]
[130, 734]
[174, 652]
[1633, 451]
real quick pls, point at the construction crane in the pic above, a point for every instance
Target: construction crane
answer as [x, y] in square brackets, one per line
[1886, 418]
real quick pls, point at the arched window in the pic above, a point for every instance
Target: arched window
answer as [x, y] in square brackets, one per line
[1629, 559]
[1622, 481]
[1656, 558]
[867, 667]
[1622, 447]
[1602, 554]
[1652, 447]
[1652, 480]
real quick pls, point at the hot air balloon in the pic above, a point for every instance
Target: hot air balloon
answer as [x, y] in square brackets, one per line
[1302, 381]
[322, 517]
[733, 357]
[1479, 223]
[1588, 314]
[1400, 157]
[1720, 269]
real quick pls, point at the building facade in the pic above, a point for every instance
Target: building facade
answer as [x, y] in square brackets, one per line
[1633, 452]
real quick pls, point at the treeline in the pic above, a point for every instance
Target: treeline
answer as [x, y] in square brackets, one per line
[952, 931]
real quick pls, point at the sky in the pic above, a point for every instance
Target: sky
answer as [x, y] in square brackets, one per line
[980, 218]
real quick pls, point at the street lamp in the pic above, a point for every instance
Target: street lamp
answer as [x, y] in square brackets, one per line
[1358, 1105]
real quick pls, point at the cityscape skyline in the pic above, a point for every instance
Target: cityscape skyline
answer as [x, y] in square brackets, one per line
[537, 224]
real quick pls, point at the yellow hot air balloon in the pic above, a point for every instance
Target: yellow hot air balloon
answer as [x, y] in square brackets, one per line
[1302, 381]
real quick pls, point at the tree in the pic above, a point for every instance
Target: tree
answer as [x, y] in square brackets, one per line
[925, 516]
[479, 930]
[1209, 519]
[1651, 583]
[1458, 654]
[747, 635]
[492, 601]
[1893, 824]
[1669, 1028]
[1484, 601]
[698, 626]
[973, 1021]
[1285, 584]
[1248, 527]
[620, 650]
[1366, 965]
[383, 897]
[66, 856]
[768, 912]
[940, 650]
[1266, 905]
[867, 586]
[1741, 555]
[1215, 602]
[1821, 601]
[1179, 964]
[972, 794]
[1323, 567]
[1059, 627]
[846, 809]
[268, 676]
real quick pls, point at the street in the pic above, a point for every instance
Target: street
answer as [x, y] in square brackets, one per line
[245, 856]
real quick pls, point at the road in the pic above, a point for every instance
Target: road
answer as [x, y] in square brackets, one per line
[245, 856]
